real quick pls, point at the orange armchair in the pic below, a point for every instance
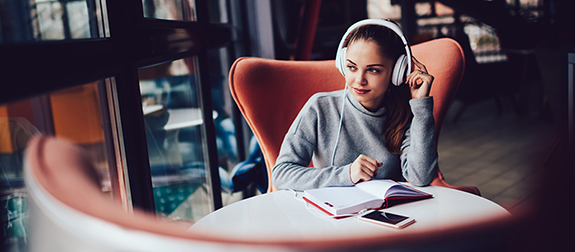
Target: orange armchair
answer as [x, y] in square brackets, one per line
[270, 93]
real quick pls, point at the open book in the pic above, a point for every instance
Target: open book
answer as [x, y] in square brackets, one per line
[373, 194]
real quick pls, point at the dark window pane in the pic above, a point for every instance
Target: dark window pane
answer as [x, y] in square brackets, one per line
[44, 20]
[72, 114]
[170, 9]
[218, 11]
[176, 142]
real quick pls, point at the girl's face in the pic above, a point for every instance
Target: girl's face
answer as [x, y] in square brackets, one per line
[367, 73]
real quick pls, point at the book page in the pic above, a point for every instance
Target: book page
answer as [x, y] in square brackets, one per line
[341, 197]
[385, 188]
[377, 187]
[404, 191]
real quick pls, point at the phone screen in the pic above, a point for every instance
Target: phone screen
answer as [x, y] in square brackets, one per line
[385, 217]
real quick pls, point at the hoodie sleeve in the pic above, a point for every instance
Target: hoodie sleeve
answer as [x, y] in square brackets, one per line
[419, 149]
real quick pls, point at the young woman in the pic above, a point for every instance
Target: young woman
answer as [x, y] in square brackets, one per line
[370, 130]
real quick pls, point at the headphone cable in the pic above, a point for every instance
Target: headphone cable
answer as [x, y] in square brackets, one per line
[340, 124]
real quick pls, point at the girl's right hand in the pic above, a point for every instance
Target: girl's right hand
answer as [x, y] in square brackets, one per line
[419, 80]
[363, 168]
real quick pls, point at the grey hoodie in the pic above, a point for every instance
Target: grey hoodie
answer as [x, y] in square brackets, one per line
[313, 134]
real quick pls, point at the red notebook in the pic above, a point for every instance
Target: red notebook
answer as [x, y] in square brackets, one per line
[373, 194]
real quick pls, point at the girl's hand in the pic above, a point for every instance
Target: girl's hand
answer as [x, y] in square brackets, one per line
[363, 168]
[419, 81]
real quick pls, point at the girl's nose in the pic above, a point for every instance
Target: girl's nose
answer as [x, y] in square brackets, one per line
[360, 78]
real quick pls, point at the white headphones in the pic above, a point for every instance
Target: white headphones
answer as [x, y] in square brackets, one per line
[402, 65]
[401, 69]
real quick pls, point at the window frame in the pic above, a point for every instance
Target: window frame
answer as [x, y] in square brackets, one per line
[134, 42]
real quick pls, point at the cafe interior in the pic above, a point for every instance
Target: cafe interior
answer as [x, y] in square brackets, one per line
[153, 125]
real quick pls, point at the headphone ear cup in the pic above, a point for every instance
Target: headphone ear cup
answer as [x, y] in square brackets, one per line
[399, 71]
[341, 60]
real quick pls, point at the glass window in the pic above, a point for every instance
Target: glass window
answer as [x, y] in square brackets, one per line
[218, 11]
[16, 128]
[483, 41]
[423, 9]
[77, 117]
[176, 142]
[226, 136]
[26, 21]
[184, 10]
[72, 114]
[249, 176]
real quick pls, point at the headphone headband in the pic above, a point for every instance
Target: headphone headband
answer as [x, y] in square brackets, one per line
[340, 55]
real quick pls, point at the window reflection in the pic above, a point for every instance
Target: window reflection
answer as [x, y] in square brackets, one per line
[244, 164]
[483, 41]
[218, 11]
[175, 139]
[225, 129]
[27, 21]
[77, 117]
[15, 131]
[72, 114]
[170, 9]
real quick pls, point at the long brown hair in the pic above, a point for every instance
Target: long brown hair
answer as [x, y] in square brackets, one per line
[396, 98]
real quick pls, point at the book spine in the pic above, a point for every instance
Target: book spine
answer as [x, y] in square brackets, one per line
[409, 197]
[315, 205]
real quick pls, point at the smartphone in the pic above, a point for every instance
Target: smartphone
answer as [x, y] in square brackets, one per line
[386, 218]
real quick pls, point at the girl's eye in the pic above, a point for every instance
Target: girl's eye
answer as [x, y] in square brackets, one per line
[373, 70]
[351, 67]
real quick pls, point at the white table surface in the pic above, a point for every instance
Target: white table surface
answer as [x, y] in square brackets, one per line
[179, 117]
[283, 215]
[184, 117]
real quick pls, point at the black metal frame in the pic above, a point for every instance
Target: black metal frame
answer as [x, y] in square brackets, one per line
[36, 68]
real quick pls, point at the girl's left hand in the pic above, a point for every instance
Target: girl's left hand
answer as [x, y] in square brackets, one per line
[419, 80]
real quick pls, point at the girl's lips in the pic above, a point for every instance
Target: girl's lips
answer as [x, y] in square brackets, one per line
[361, 91]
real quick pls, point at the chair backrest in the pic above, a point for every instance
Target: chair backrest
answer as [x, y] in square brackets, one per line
[270, 93]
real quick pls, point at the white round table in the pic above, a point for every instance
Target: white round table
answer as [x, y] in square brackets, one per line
[285, 215]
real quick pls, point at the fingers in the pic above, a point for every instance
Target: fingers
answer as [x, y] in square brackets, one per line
[419, 81]
[363, 168]
[419, 75]
[369, 164]
[419, 65]
[418, 78]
